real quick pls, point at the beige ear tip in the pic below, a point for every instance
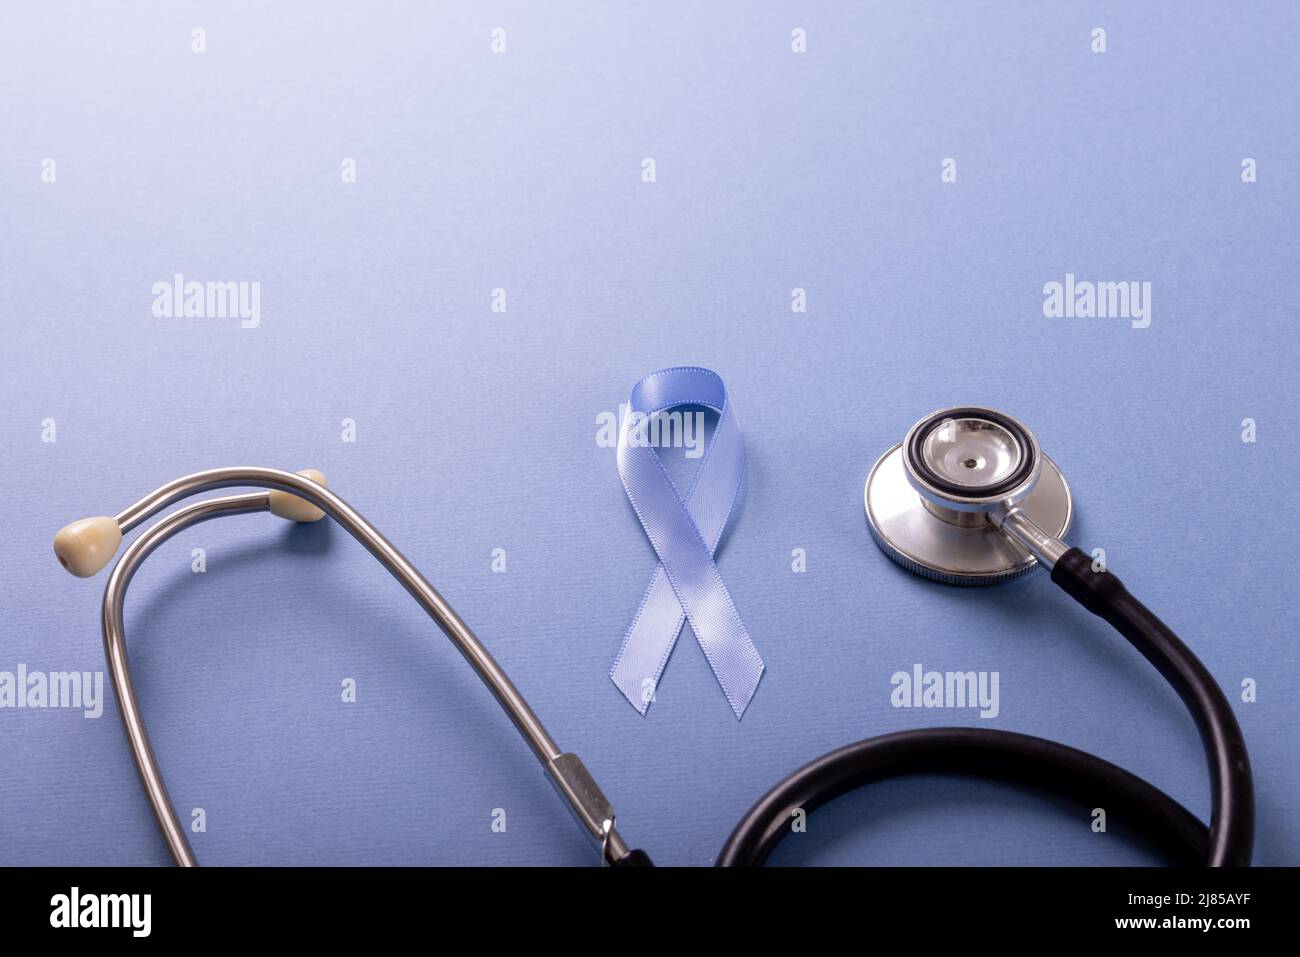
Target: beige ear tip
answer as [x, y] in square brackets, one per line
[86, 545]
[295, 509]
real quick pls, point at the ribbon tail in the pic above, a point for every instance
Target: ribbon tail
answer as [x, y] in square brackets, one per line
[648, 644]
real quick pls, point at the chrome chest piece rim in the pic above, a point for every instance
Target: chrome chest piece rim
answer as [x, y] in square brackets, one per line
[929, 499]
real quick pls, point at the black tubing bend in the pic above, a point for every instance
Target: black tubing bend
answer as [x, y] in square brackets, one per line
[1044, 764]
[1232, 821]
[980, 752]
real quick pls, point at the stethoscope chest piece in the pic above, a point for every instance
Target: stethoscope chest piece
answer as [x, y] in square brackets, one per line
[933, 501]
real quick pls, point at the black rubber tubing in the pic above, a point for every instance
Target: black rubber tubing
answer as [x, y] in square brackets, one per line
[1048, 765]
[634, 858]
[1232, 821]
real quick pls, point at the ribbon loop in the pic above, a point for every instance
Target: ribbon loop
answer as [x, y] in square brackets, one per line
[685, 531]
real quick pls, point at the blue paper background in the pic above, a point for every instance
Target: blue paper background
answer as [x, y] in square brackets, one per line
[476, 430]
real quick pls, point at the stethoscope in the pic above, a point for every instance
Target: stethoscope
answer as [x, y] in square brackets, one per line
[967, 498]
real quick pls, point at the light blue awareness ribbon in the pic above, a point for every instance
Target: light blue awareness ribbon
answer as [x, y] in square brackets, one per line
[685, 531]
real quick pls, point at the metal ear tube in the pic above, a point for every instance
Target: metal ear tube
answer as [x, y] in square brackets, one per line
[300, 497]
